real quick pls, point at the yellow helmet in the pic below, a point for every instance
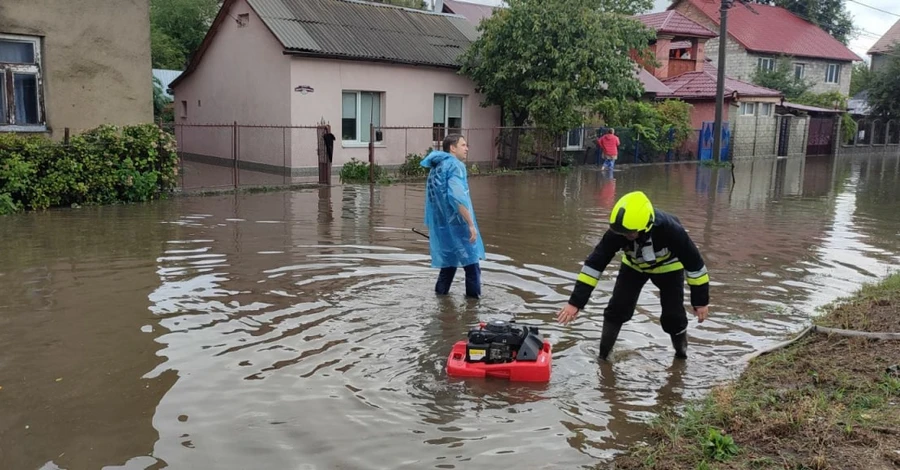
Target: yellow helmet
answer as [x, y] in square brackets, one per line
[632, 213]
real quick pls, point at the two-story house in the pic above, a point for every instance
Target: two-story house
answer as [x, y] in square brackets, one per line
[62, 67]
[757, 40]
[887, 46]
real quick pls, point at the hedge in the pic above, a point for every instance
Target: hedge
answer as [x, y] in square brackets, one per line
[105, 165]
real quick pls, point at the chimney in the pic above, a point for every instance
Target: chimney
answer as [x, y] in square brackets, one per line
[438, 6]
[698, 53]
[662, 56]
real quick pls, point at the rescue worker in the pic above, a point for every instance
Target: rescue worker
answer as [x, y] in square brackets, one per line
[656, 248]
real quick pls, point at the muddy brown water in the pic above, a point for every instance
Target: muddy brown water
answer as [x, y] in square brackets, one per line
[300, 330]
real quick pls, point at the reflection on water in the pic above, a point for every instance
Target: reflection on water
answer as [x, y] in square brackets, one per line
[299, 329]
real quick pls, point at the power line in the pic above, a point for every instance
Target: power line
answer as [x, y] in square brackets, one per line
[874, 8]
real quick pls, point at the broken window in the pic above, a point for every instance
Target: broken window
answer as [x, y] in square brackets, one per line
[20, 81]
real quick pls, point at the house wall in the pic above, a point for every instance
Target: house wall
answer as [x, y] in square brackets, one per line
[95, 59]
[814, 72]
[741, 64]
[879, 61]
[407, 100]
[703, 111]
[243, 77]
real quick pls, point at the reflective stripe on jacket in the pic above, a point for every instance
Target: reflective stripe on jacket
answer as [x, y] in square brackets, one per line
[667, 247]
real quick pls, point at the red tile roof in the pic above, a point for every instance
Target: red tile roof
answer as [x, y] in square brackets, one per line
[473, 12]
[888, 41]
[702, 85]
[775, 30]
[673, 22]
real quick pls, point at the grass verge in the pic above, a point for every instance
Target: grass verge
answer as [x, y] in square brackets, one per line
[822, 402]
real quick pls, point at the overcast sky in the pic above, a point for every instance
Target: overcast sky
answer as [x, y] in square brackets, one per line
[874, 22]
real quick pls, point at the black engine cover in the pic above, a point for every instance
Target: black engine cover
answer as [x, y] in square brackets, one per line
[499, 342]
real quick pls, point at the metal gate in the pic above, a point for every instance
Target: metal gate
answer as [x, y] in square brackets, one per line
[705, 144]
[821, 136]
[784, 136]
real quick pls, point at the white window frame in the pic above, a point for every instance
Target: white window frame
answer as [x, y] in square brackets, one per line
[833, 73]
[379, 119]
[438, 134]
[7, 84]
[760, 63]
[747, 106]
[580, 131]
[765, 109]
[802, 69]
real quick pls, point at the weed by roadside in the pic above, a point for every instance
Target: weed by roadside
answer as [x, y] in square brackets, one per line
[823, 402]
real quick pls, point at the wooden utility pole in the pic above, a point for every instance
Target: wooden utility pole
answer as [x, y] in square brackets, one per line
[720, 80]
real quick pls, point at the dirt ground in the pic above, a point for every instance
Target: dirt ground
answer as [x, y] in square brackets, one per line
[824, 402]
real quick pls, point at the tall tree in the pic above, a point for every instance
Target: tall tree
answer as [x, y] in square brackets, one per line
[546, 61]
[830, 15]
[783, 79]
[884, 88]
[860, 78]
[177, 29]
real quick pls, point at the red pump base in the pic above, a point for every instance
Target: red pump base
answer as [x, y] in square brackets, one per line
[523, 371]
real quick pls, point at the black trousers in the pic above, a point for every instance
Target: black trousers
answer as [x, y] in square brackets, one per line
[629, 284]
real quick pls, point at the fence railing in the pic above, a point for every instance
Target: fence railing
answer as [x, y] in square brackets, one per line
[489, 147]
[234, 155]
[875, 131]
[651, 146]
[231, 156]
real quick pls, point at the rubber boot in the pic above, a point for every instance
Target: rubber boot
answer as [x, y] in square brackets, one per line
[608, 338]
[679, 342]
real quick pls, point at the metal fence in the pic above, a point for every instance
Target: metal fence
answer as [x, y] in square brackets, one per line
[875, 131]
[230, 156]
[634, 148]
[489, 147]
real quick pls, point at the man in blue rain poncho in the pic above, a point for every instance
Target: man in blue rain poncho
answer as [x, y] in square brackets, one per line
[454, 238]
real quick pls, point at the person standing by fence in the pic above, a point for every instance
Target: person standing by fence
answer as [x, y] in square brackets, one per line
[609, 145]
[454, 239]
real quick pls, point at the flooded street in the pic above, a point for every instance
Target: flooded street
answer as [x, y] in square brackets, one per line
[299, 330]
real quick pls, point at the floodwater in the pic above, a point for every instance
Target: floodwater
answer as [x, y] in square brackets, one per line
[299, 330]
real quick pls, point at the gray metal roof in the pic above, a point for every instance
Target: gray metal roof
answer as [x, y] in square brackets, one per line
[360, 30]
[165, 77]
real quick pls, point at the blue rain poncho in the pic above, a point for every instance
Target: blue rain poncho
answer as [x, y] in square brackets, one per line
[446, 189]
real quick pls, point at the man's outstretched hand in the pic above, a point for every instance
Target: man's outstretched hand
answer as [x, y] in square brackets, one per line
[567, 314]
[702, 313]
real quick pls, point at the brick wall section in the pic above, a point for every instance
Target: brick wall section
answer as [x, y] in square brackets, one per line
[754, 135]
[740, 64]
[797, 143]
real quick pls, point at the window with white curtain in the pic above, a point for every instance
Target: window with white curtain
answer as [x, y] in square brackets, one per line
[447, 115]
[359, 109]
[20, 80]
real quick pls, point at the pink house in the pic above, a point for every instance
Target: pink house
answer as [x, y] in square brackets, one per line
[346, 63]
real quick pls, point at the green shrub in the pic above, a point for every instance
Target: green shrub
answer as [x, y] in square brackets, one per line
[356, 171]
[412, 167]
[101, 166]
